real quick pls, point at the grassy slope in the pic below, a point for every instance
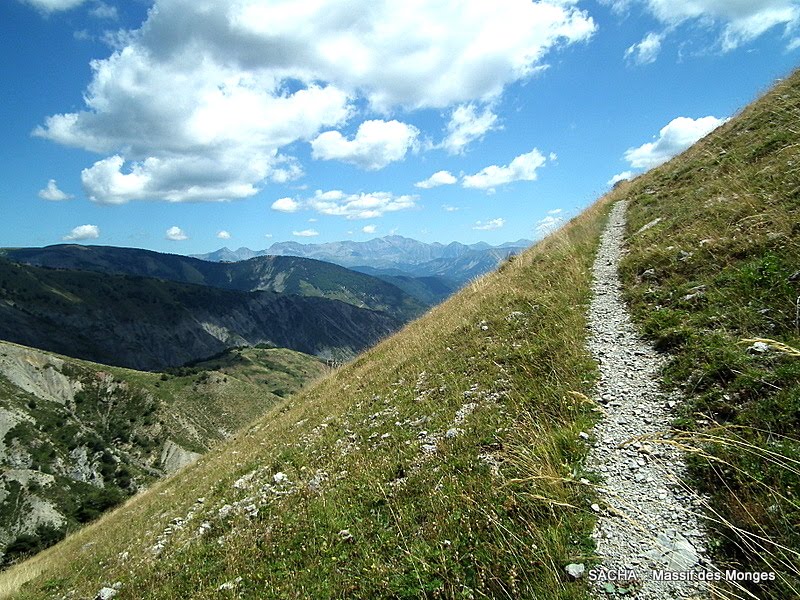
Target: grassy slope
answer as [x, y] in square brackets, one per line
[492, 510]
[719, 267]
[219, 396]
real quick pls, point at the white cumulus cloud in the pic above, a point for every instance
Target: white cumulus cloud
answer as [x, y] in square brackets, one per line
[101, 10]
[112, 181]
[548, 224]
[522, 168]
[52, 193]
[646, 51]
[624, 176]
[438, 178]
[287, 205]
[675, 137]
[306, 233]
[49, 6]
[359, 206]
[369, 229]
[489, 225]
[376, 144]
[224, 235]
[734, 22]
[83, 232]
[176, 234]
[417, 53]
[466, 125]
[197, 104]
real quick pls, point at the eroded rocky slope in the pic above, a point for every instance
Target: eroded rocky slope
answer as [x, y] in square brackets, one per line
[76, 438]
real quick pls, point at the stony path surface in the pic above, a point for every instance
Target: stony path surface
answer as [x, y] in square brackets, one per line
[647, 523]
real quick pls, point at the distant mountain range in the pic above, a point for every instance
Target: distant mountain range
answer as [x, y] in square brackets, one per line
[149, 310]
[148, 323]
[281, 274]
[392, 255]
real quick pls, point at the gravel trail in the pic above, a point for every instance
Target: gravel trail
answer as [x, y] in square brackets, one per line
[647, 522]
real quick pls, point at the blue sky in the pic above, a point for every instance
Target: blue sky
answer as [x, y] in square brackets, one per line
[183, 126]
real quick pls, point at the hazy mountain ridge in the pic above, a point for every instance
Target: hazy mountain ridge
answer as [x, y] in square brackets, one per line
[456, 270]
[411, 256]
[148, 323]
[78, 437]
[427, 289]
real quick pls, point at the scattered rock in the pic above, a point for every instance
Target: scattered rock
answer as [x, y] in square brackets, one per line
[758, 348]
[315, 483]
[106, 593]
[463, 412]
[345, 535]
[692, 296]
[243, 482]
[453, 432]
[673, 552]
[229, 585]
[647, 226]
[575, 570]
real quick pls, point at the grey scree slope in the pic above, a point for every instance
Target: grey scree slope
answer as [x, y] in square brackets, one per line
[647, 516]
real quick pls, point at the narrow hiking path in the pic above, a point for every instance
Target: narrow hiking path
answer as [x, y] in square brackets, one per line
[647, 521]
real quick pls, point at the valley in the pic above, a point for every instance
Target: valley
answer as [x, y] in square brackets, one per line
[77, 438]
